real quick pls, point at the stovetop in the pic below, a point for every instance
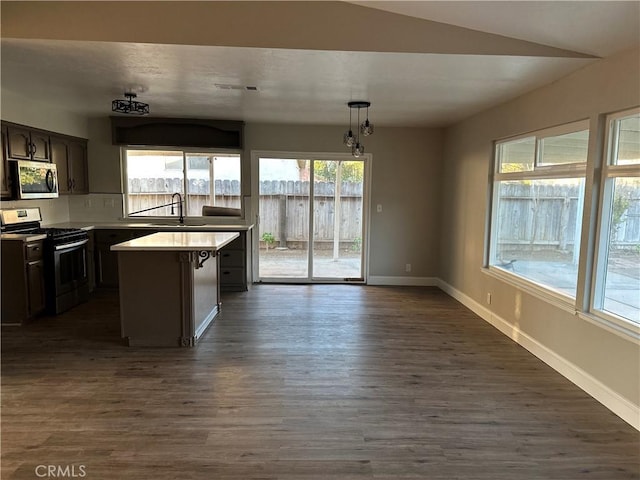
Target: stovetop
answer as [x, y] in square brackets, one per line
[56, 232]
[26, 221]
[54, 235]
[59, 235]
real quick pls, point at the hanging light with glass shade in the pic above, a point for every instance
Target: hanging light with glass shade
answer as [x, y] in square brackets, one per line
[349, 139]
[366, 128]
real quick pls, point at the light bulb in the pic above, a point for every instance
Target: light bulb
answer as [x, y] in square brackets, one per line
[357, 150]
[366, 128]
[349, 139]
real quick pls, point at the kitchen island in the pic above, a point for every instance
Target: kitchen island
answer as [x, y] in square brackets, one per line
[169, 286]
[235, 260]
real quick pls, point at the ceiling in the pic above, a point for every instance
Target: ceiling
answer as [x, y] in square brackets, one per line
[418, 63]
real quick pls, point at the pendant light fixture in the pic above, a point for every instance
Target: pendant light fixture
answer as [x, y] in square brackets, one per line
[366, 128]
[349, 139]
[130, 106]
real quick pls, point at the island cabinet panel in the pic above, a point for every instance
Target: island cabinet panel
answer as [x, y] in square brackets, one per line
[150, 298]
[167, 298]
[204, 289]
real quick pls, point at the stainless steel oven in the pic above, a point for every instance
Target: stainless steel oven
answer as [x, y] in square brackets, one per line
[64, 257]
[68, 279]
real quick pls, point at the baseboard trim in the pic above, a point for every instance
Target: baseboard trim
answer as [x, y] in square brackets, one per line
[619, 405]
[404, 281]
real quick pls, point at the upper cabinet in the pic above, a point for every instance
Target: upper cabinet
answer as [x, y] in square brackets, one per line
[24, 143]
[70, 156]
[60, 156]
[78, 166]
[20, 142]
[5, 186]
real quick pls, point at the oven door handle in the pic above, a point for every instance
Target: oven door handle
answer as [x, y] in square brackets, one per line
[67, 246]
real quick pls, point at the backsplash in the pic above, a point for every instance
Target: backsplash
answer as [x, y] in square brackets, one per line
[96, 207]
[54, 210]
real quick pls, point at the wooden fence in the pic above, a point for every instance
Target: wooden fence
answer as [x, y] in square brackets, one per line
[542, 217]
[546, 217]
[149, 192]
[284, 211]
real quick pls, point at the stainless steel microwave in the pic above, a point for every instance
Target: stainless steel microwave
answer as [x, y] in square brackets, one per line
[35, 180]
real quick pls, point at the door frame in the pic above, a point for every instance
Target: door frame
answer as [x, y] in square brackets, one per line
[367, 158]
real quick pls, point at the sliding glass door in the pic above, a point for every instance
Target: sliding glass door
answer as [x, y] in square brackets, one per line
[311, 219]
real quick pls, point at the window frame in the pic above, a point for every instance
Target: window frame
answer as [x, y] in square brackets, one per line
[539, 172]
[609, 173]
[185, 151]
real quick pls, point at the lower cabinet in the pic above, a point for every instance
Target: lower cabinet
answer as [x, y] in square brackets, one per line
[233, 265]
[23, 297]
[5, 183]
[91, 261]
[35, 288]
[106, 268]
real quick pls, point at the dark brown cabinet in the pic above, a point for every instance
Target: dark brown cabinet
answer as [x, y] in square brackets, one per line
[70, 157]
[233, 265]
[5, 183]
[24, 143]
[78, 166]
[20, 142]
[35, 287]
[23, 286]
[91, 261]
[106, 260]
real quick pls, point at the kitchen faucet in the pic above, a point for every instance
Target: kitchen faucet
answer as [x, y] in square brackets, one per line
[179, 207]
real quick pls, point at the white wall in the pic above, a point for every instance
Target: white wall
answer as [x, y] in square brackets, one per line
[25, 111]
[104, 158]
[607, 360]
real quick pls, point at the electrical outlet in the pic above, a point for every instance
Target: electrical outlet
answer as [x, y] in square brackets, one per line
[379, 208]
[407, 267]
[87, 203]
[488, 298]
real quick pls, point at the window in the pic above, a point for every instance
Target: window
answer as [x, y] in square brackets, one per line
[153, 176]
[538, 195]
[617, 281]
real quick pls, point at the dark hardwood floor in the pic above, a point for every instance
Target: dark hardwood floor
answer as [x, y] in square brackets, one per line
[301, 382]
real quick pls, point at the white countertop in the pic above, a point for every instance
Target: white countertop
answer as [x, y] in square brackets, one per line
[208, 227]
[177, 241]
[211, 227]
[24, 237]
